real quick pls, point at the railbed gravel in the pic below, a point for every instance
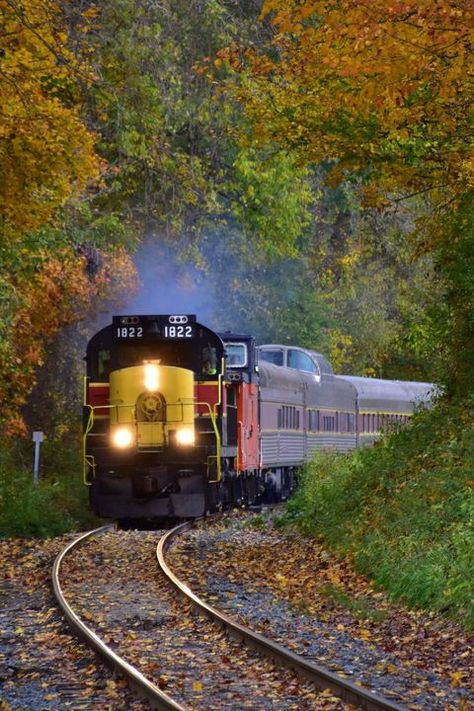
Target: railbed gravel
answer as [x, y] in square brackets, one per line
[113, 582]
[43, 666]
[426, 678]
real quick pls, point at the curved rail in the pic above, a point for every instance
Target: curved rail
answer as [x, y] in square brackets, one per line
[321, 677]
[146, 688]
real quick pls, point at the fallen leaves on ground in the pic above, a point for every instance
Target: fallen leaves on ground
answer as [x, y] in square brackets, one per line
[43, 665]
[319, 585]
[115, 579]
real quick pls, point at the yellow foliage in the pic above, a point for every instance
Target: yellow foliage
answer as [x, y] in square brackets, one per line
[370, 83]
[46, 152]
[340, 345]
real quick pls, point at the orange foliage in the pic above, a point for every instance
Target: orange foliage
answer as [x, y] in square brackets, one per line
[371, 85]
[60, 293]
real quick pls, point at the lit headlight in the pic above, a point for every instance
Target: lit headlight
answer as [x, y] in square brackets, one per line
[122, 438]
[185, 436]
[151, 377]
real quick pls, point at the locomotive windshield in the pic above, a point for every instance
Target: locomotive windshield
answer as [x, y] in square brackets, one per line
[166, 352]
[236, 355]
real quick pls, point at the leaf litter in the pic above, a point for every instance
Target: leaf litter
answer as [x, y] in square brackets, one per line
[115, 580]
[42, 664]
[293, 590]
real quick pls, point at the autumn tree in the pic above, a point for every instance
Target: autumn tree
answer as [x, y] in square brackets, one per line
[380, 93]
[374, 87]
[46, 152]
[47, 160]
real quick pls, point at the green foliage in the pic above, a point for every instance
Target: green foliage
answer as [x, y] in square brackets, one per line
[167, 135]
[272, 199]
[83, 225]
[376, 287]
[273, 299]
[58, 504]
[453, 327]
[161, 129]
[403, 509]
[354, 289]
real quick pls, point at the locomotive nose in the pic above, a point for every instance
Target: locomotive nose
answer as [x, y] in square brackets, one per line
[152, 407]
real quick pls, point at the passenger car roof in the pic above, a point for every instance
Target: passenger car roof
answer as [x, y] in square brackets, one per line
[377, 393]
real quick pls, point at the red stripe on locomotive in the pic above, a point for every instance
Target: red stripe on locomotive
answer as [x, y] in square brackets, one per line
[206, 393]
[98, 395]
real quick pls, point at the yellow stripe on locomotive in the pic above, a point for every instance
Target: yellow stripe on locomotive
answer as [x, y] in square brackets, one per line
[152, 407]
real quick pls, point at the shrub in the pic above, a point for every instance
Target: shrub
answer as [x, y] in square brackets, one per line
[56, 505]
[403, 510]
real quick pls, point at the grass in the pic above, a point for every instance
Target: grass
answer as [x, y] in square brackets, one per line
[403, 510]
[361, 607]
[59, 503]
[258, 521]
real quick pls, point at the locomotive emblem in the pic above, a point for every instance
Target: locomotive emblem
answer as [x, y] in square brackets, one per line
[151, 407]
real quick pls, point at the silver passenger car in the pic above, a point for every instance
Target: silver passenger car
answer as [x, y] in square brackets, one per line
[305, 407]
[384, 404]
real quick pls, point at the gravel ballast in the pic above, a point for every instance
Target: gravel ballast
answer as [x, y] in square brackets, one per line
[421, 661]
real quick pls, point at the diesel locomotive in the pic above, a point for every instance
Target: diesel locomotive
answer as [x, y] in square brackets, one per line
[180, 420]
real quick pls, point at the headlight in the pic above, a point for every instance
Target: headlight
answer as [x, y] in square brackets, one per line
[122, 438]
[185, 436]
[151, 377]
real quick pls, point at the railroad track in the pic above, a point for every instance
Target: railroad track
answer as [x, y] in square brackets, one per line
[281, 657]
[322, 678]
[154, 695]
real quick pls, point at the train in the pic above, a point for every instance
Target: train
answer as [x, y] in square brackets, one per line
[180, 420]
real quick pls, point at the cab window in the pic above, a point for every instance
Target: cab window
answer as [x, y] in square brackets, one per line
[209, 361]
[103, 363]
[236, 355]
[301, 361]
[274, 356]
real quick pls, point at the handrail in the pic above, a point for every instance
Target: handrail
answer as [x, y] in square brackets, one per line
[213, 417]
[88, 460]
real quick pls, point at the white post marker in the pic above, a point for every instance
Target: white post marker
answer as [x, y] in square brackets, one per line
[38, 437]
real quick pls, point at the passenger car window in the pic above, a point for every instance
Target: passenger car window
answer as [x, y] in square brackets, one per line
[236, 354]
[274, 356]
[301, 361]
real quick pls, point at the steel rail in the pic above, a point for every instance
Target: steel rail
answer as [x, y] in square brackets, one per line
[321, 677]
[156, 698]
